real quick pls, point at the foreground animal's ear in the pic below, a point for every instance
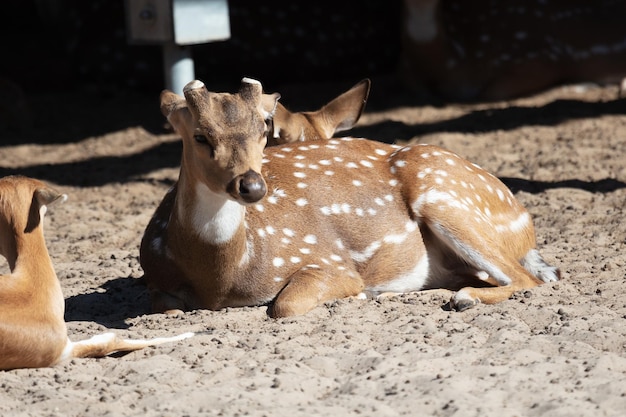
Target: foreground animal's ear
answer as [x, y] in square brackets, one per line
[42, 198]
[345, 110]
[48, 196]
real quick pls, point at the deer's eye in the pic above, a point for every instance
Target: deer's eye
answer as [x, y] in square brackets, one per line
[204, 141]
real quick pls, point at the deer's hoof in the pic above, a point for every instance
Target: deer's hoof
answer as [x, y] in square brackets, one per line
[462, 301]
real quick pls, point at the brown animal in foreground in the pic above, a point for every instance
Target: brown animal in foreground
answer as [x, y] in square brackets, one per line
[32, 329]
[299, 224]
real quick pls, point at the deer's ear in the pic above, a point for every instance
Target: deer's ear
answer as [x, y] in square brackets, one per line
[268, 105]
[47, 196]
[345, 110]
[174, 108]
[171, 102]
[42, 198]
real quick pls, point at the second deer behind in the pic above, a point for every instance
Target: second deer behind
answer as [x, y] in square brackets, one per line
[299, 224]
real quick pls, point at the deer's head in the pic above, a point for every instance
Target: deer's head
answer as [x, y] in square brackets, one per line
[338, 115]
[23, 203]
[223, 136]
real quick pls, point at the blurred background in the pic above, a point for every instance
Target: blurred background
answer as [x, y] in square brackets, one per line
[416, 52]
[60, 44]
[458, 50]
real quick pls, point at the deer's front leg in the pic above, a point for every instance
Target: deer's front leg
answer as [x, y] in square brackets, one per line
[310, 287]
[170, 302]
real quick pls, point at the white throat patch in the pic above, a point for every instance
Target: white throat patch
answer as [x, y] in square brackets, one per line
[214, 217]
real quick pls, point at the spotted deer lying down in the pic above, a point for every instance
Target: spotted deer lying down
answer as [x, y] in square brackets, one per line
[32, 329]
[299, 224]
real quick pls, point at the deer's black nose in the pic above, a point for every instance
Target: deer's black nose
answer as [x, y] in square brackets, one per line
[249, 187]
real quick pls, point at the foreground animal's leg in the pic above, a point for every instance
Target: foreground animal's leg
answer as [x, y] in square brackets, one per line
[107, 343]
[312, 286]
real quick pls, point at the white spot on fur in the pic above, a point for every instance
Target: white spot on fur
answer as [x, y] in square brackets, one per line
[522, 221]
[301, 202]
[310, 239]
[278, 262]
[367, 253]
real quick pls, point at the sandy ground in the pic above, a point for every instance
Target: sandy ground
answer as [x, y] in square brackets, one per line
[556, 350]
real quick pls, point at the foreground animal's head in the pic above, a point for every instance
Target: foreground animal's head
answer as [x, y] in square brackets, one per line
[23, 203]
[223, 136]
[338, 115]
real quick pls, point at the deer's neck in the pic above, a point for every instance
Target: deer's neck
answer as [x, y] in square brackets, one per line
[31, 256]
[214, 219]
[31, 264]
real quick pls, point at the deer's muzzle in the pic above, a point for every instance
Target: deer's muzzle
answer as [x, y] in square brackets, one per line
[249, 187]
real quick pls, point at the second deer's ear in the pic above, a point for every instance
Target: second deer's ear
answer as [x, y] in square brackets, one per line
[345, 110]
[268, 105]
